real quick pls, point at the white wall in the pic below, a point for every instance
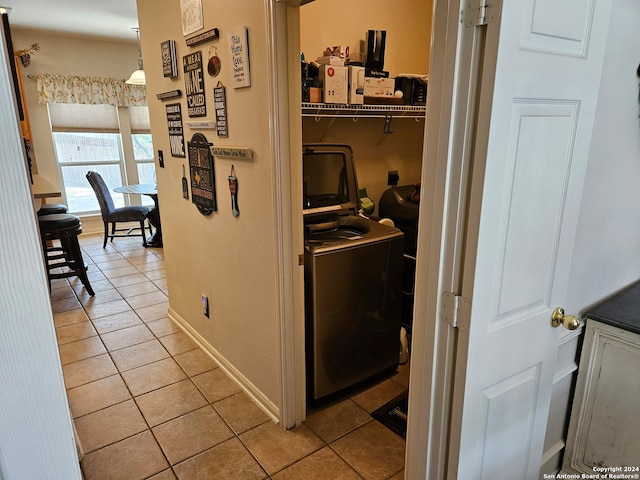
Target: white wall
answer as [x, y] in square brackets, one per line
[607, 248]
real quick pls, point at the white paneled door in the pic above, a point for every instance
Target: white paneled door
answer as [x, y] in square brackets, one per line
[548, 60]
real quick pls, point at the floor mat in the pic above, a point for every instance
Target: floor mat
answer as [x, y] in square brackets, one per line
[393, 414]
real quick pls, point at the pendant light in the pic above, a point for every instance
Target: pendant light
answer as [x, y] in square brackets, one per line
[137, 77]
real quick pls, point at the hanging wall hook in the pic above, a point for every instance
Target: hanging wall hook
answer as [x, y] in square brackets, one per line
[387, 124]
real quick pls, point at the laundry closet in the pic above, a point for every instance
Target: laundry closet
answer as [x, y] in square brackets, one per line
[386, 138]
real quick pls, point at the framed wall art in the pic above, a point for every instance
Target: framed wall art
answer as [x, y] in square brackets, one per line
[169, 58]
[176, 129]
[192, 19]
[239, 42]
[194, 84]
[202, 175]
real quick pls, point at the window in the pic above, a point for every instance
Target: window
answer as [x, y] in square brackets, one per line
[142, 147]
[113, 141]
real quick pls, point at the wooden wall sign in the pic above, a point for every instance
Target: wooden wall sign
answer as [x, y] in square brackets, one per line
[170, 94]
[220, 102]
[202, 125]
[202, 37]
[232, 152]
[194, 84]
[202, 175]
[176, 129]
[192, 18]
[239, 41]
[169, 58]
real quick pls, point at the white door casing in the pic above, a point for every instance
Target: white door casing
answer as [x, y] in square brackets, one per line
[536, 112]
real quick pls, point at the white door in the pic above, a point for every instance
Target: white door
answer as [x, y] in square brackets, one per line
[548, 58]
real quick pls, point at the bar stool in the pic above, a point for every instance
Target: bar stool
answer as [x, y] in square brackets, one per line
[64, 228]
[51, 208]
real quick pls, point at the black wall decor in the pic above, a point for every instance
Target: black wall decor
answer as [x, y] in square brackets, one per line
[202, 175]
[176, 130]
[220, 102]
[169, 58]
[194, 84]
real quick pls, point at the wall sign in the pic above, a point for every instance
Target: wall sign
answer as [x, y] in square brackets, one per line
[239, 41]
[202, 37]
[202, 175]
[169, 58]
[176, 130]
[169, 94]
[192, 20]
[220, 102]
[203, 125]
[232, 152]
[194, 84]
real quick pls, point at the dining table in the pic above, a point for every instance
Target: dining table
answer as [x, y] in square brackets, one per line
[151, 190]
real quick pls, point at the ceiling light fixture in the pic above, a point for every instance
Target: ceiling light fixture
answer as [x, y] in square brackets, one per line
[137, 77]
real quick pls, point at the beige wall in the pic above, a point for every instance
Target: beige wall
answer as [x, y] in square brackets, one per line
[326, 23]
[229, 259]
[375, 152]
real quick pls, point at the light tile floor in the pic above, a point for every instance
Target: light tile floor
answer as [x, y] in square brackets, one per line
[148, 403]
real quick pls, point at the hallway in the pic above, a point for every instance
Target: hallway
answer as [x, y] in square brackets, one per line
[147, 402]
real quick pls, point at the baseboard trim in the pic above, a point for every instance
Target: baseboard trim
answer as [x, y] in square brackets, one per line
[249, 388]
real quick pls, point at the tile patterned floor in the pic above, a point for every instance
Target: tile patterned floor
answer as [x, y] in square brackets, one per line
[148, 403]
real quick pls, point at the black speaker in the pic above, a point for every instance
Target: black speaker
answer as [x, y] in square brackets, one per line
[375, 49]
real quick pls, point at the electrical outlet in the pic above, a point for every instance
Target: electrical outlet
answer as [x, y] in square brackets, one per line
[205, 305]
[393, 177]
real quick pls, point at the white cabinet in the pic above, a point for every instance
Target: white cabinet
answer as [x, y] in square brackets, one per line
[604, 429]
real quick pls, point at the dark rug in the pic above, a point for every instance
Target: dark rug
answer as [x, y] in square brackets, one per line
[393, 414]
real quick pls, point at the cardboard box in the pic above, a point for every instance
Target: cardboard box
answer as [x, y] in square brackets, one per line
[334, 83]
[330, 60]
[356, 85]
[379, 87]
[341, 51]
[315, 95]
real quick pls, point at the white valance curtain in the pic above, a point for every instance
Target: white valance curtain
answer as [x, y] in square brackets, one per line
[89, 91]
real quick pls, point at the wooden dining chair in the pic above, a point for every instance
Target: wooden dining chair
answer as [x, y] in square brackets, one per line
[111, 215]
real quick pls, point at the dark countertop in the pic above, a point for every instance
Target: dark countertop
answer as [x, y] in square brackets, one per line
[622, 310]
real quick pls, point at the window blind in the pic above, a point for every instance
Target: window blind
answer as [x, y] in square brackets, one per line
[75, 117]
[139, 117]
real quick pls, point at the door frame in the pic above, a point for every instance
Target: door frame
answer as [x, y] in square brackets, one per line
[441, 232]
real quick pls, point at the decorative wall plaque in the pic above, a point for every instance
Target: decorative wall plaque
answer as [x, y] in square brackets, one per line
[202, 37]
[169, 94]
[194, 84]
[232, 152]
[202, 175]
[192, 19]
[239, 41]
[176, 130]
[169, 58]
[220, 103]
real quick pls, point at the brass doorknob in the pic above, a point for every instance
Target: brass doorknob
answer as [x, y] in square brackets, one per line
[570, 322]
